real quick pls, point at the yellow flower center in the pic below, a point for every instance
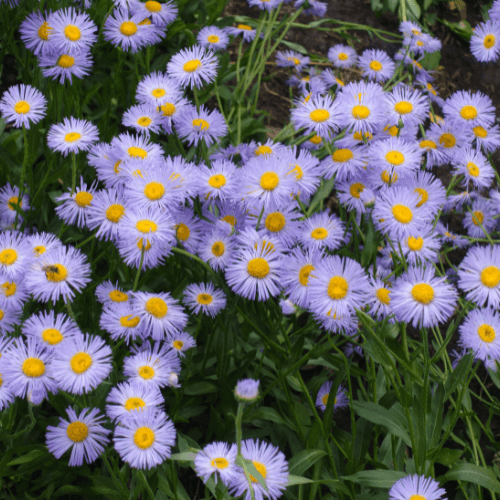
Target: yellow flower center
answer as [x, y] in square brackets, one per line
[294, 59]
[140, 245]
[477, 217]
[426, 144]
[218, 248]
[337, 288]
[44, 31]
[212, 39]
[146, 226]
[33, 367]
[316, 139]
[146, 372]
[77, 431]
[178, 344]
[304, 273]
[269, 181]
[145, 22]
[201, 124]
[128, 28]
[263, 150]
[258, 268]
[343, 56]
[417, 497]
[204, 299]
[424, 196]
[480, 132]
[244, 27]
[423, 293]
[168, 109]
[357, 136]
[356, 189]
[156, 307]
[9, 289]
[219, 463]
[319, 115]
[403, 107]
[192, 65]
[342, 155]
[72, 136]
[383, 296]
[39, 250]
[13, 202]
[72, 32]
[320, 233]
[154, 190]
[447, 140]
[134, 404]
[22, 107]
[360, 112]
[83, 199]
[468, 112]
[230, 219]
[402, 214]
[473, 169]
[394, 157]
[56, 273]
[52, 336]
[415, 244]
[490, 276]
[158, 93]
[183, 232]
[137, 152]
[66, 61]
[153, 6]
[129, 321]
[275, 222]
[144, 438]
[144, 121]
[375, 66]
[486, 333]
[261, 468]
[489, 41]
[297, 171]
[81, 362]
[115, 212]
[388, 179]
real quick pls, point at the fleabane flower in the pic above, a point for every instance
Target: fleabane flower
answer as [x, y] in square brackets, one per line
[416, 486]
[105, 213]
[407, 105]
[213, 38]
[470, 109]
[84, 434]
[205, 298]
[376, 65]
[120, 321]
[15, 255]
[475, 168]
[72, 31]
[161, 14]
[291, 59]
[247, 390]
[22, 105]
[35, 32]
[341, 398]
[322, 231]
[216, 459]
[485, 41]
[72, 136]
[74, 208]
[143, 118]
[480, 332]
[64, 66]
[320, 114]
[157, 89]
[193, 67]
[342, 56]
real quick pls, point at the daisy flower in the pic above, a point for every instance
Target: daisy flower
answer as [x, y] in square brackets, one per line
[289, 58]
[217, 250]
[42, 243]
[35, 32]
[9, 199]
[305, 168]
[13, 294]
[72, 31]
[450, 136]
[188, 229]
[216, 458]
[349, 193]
[270, 462]
[342, 56]
[28, 367]
[180, 342]
[247, 32]
[320, 114]
[15, 255]
[345, 163]
[213, 38]
[51, 330]
[204, 297]
[479, 218]
[421, 247]
[255, 271]
[171, 108]
[282, 223]
[131, 251]
[156, 89]
[150, 224]
[380, 299]
[475, 168]
[10, 316]
[340, 286]
[64, 66]
[84, 434]
[422, 299]
[105, 214]
[22, 105]
[376, 65]
[127, 31]
[145, 439]
[144, 118]
[128, 396]
[470, 109]
[264, 4]
[72, 136]
[322, 231]
[193, 67]
[430, 189]
[110, 295]
[161, 14]
[75, 208]
[220, 181]
[159, 313]
[396, 213]
[132, 147]
[433, 156]
[120, 321]
[407, 105]
[341, 398]
[193, 125]
[58, 274]
[153, 365]
[487, 138]
[416, 486]
[485, 41]
[480, 332]
[82, 364]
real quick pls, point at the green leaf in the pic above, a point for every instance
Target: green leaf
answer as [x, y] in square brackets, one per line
[376, 478]
[458, 375]
[186, 456]
[303, 460]
[265, 413]
[364, 430]
[414, 9]
[295, 46]
[392, 5]
[418, 422]
[448, 457]
[224, 92]
[200, 388]
[431, 61]
[474, 474]
[298, 480]
[379, 415]
[338, 485]
[29, 457]
[322, 193]
[249, 468]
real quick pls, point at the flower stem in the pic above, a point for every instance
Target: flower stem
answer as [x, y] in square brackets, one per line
[23, 174]
[136, 281]
[73, 177]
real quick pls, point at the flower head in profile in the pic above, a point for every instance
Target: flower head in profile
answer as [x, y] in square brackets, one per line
[84, 434]
[22, 105]
[247, 390]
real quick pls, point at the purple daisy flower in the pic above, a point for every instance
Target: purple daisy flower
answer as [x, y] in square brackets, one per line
[205, 298]
[64, 66]
[75, 208]
[247, 390]
[72, 136]
[416, 486]
[144, 118]
[213, 38]
[376, 65]
[22, 105]
[485, 41]
[72, 32]
[341, 398]
[219, 459]
[291, 59]
[320, 114]
[342, 56]
[35, 32]
[480, 332]
[470, 109]
[161, 14]
[193, 67]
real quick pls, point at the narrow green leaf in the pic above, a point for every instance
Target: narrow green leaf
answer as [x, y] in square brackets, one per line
[200, 388]
[295, 46]
[321, 194]
[448, 457]
[29, 457]
[376, 478]
[184, 456]
[303, 460]
[474, 474]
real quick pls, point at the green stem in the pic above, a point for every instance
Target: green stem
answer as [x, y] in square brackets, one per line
[73, 169]
[239, 430]
[23, 174]
[139, 269]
